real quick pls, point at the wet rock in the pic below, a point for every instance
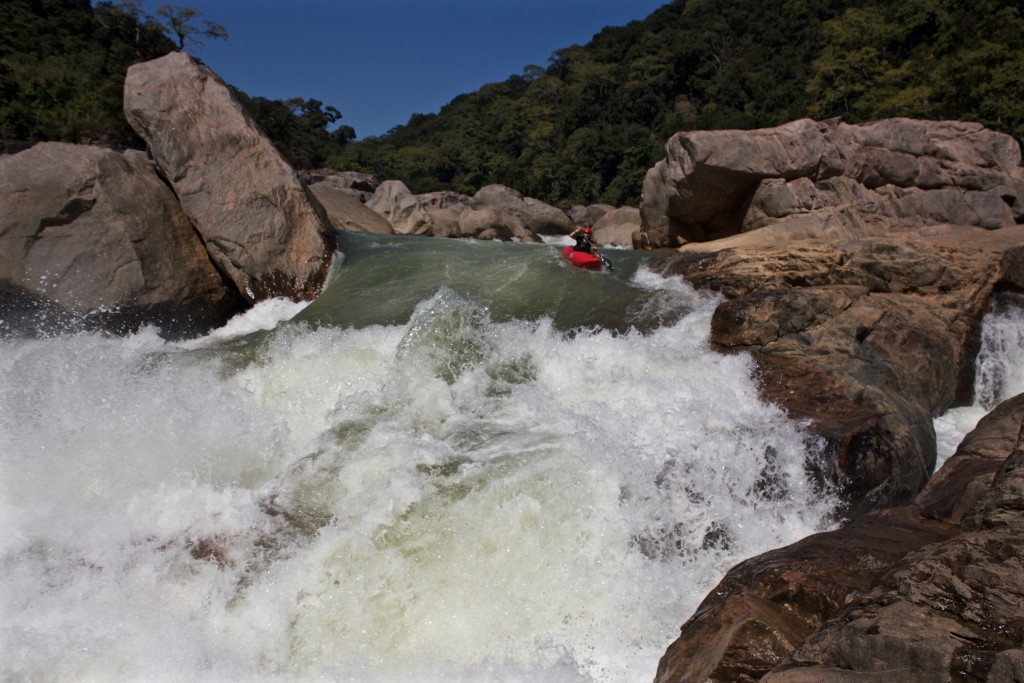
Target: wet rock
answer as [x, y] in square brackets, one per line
[866, 339]
[928, 591]
[93, 238]
[950, 610]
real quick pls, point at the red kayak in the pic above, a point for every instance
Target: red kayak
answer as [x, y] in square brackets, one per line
[582, 259]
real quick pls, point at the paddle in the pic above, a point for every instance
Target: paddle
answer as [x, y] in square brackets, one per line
[604, 261]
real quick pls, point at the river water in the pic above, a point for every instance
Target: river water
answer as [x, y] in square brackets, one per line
[465, 461]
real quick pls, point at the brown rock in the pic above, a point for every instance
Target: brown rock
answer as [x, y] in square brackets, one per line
[811, 179]
[617, 227]
[257, 222]
[766, 607]
[346, 212]
[895, 595]
[444, 209]
[490, 224]
[950, 610]
[90, 237]
[400, 208]
[536, 216]
[866, 339]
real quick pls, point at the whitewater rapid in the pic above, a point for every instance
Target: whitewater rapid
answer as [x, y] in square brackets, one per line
[470, 490]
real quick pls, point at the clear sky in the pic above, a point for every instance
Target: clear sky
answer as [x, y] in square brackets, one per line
[380, 61]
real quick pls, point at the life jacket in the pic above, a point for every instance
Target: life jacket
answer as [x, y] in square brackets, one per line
[583, 243]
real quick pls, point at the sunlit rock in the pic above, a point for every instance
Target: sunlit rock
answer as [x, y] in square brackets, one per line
[255, 217]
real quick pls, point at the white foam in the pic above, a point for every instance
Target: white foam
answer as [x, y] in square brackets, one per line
[451, 500]
[999, 375]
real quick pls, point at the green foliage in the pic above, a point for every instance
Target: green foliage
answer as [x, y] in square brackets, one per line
[62, 68]
[299, 128]
[926, 59]
[586, 128]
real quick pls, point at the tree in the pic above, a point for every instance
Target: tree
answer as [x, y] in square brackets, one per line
[178, 21]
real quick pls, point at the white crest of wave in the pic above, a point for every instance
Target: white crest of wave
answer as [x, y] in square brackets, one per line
[453, 499]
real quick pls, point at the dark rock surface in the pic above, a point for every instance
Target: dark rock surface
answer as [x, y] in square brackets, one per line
[866, 339]
[931, 591]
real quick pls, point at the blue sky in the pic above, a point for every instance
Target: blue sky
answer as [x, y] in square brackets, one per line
[380, 61]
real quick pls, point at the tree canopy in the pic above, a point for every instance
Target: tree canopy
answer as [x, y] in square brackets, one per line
[584, 128]
[588, 126]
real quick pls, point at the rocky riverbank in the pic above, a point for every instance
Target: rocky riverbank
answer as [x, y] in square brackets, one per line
[855, 265]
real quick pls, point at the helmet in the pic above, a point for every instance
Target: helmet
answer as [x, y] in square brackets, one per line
[587, 230]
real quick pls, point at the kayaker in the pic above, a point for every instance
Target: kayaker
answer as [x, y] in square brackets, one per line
[584, 239]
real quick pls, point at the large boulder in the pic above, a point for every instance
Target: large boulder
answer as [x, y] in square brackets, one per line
[490, 224]
[444, 209]
[359, 185]
[589, 214]
[400, 208]
[809, 179]
[346, 211]
[867, 340]
[617, 227]
[539, 218]
[91, 237]
[950, 610]
[255, 217]
[928, 591]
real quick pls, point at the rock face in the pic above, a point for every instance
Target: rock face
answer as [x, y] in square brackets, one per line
[866, 339]
[855, 265]
[831, 179]
[90, 237]
[535, 216]
[617, 227]
[259, 225]
[400, 208]
[927, 592]
[346, 211]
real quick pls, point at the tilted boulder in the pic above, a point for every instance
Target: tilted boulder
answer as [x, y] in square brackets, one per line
[399, 206]
[346, 212]
[831, 179]
[255, 217]
[90, 237]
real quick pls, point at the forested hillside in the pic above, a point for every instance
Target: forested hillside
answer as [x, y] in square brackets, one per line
[585, 127]
[62, 68]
